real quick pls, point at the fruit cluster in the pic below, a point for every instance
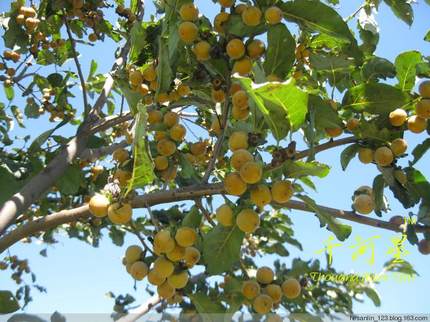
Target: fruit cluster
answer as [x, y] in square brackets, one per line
[175, 256]
[264, 292]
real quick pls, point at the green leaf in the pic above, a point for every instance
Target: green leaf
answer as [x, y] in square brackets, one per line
[117, 236]
[41, 139]
[55, 79]
[9, 92]
[138, 40]
[298, 169]
[348, 154]
[373, 295]
[221, 248]
[283, 105]
[420, 150]
[164, 71]
[406, 69]
[143, 170]
[93, 69]
[8, 302]
[378, 194]
[280, 54]
[403, 267]
[375, 98]
[132, 97]
[10, 185]
[317, 16]
[341, 231]
[236, 27]
[325, 116]
[193, 218]
[402, 9]
[427, 36]
[71, 180]
[378, 67]
[204, 304]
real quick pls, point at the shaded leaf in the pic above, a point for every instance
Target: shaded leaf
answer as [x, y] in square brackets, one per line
[298, 169]
[70, 182]
[41, 139]
[420, 150]
[348, 154]
[205, 304]
[402, 9]
[8, 302]
[221, 248]
[193, 218]
[378, 194]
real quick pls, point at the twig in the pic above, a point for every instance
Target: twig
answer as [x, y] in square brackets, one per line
[78, 66]
[198, 202]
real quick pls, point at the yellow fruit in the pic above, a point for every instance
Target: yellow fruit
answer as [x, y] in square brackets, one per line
[183, 90]
[417, 124]
[175, 299]
[265, 275]
[163, 267]
[364, 204]
[169, 174]
[235, 49]
[234, 185]
[226, 3]
[176, 254]
[202, 50]
[397, 220]
[262, 304]
[31, 23]
[30, 12]
[248, 220]
[120, 213]
[243, 66]
[178, 280]
[422, 109]
[93, 37]
[120, 155]
[99, 205]
[282, 191]
[352, 124]
[166, 147]
[161, 162]
[251, 16]
[216, 126]
[188, 32]
[135, 78]
[159, 135]
[143, 89]
[139, 270]
[192, 256]
[333, 131]
[238, 140]
[261, 195]
[383, 156]
[133, 254]
[149, 74]
[251, 172]
[255, 49]
[165, 290]
[240, 99]
[235, 87]
[162, 98]
[424, 89]
[239, 158]
[274, 291]
[291, 288]
[148, 100]
[273, 15]
[239, 114]
[250, 289]
[170, 119]
[398, 117]
[224, 215]
[164, 241]
[365, 155]
[240, 8]
[198, 148]
[219, 20]
[122, 176]
[185, 236]
[189, 12]
[155, 279]
[399, 146]
[366, 190]
[218, 95]
[177, 132]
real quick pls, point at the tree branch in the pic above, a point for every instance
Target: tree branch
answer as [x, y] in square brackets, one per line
[95, 154]
[78, 66]
[189, 193]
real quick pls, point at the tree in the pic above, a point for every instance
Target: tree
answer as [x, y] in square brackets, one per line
[248, 84]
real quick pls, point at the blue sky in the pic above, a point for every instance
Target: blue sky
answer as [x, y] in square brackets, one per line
[77, 276]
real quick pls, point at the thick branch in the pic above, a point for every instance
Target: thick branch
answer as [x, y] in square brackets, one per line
[189, 193]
